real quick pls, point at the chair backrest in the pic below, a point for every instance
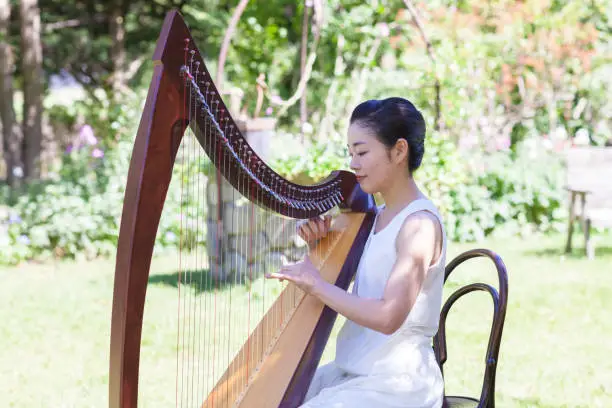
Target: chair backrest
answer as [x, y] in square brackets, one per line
[586, 170]
[500, 300]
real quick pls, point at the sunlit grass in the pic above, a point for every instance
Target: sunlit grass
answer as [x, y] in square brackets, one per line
[54, 337]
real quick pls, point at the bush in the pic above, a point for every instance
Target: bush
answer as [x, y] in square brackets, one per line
[526, 188]
[313, 164]
[77, 213]
[502, 192]
[509, 193]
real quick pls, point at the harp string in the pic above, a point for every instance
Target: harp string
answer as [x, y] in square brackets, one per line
[185, 269]
[198, 289]
[194, 291]
[248, 275]
[194, 176]
[180, 268]
[188, 277]
[253, 345]
[218, 246]
[283, 292]
[229, 302]
[244, 241]
[215, 267]
[229, 308]
[212, 324]
[187, 273]
[208, 272]
[202, 267]
[262, 266]
[220, 206]
[206, 265]
[190, 295]
[249, 266]
[206, 276]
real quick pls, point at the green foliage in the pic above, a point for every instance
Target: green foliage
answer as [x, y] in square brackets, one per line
[442, 170]
[478, 195]
[316, 163]
[73, 215]
[77, 213]
[526, 188]
[508, 194]
[540, 64]
[510, 74]
[83, 47]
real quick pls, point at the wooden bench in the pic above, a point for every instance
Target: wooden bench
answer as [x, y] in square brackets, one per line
[499, 296]
[589, 182]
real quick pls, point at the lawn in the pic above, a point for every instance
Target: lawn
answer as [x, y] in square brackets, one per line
[555, 352]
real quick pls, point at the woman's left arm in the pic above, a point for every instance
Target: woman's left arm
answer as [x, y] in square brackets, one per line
[415, 246]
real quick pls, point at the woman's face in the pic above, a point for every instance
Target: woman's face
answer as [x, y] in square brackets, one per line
[373, 163]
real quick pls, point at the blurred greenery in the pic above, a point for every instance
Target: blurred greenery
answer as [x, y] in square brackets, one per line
[520, 82]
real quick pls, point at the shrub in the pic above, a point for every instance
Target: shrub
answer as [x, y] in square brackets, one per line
[500, 192]
[77, 213]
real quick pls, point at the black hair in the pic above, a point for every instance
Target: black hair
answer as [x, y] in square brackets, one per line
[392, 119]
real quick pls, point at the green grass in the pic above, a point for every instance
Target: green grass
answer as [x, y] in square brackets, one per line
[556, 348]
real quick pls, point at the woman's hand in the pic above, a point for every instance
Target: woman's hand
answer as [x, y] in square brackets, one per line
[314, 229]
[303, 274]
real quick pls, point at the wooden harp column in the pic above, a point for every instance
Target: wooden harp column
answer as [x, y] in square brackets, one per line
[181, 75]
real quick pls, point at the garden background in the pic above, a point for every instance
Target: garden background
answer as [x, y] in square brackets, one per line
[507, 88]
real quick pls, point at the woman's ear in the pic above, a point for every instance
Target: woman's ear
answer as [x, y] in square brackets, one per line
[401, 150]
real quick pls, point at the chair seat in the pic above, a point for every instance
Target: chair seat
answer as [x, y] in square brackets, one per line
[601, 217]
[461, 402]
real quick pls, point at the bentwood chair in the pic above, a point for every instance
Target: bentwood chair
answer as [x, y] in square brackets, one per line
[500, 300]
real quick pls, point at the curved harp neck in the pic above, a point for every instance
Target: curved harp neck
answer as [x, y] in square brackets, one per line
[248, 173]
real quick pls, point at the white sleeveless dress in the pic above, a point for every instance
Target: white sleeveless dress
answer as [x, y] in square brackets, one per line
[374, 370]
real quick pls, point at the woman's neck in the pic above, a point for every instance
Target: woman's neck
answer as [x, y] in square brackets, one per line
[400, 193]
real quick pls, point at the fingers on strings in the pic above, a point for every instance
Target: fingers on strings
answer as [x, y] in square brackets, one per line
[314, 228]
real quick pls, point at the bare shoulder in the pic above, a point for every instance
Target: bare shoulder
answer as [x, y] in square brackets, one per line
[421, 224]
[420, 236]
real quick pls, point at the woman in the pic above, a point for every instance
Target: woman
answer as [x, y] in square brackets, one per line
[384, 356]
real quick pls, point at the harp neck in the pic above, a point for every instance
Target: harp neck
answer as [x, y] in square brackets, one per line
[246, 172]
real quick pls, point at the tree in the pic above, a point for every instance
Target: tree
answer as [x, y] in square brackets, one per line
[117, 52]
[11, 133]
[101, 44]
[31, 59]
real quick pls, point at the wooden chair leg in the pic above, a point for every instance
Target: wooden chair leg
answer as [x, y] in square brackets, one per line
[586, 228]
[570, 227]
[589, 248]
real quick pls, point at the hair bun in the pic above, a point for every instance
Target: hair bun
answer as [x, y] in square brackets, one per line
[392, 119]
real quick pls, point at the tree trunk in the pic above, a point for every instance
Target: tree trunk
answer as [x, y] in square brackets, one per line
[32, 88]
[438, 121]
[303, 56]
[229, 32]
[11, 133]
[117, 34]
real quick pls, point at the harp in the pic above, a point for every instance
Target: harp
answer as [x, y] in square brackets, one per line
[278, 350]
